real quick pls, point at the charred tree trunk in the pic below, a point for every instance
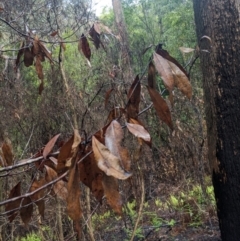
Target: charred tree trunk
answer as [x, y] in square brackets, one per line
[219, 20]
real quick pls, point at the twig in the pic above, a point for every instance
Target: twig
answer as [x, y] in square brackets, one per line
[141, 204]
[27, 142]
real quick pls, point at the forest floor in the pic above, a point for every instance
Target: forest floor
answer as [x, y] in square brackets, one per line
[170, 214]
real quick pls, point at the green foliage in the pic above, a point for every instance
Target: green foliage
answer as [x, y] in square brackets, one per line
[31, 237]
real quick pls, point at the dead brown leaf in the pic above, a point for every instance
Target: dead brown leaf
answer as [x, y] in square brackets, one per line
[151, 75]
[39, 68]
[134, 97]
[146, 140]
[138, 131]
[73, 199]
[108, 162]
[65, 153]
[28, 57]
[181, 81]
[27, 211]
[38, 196]
[83, 46]
[161, 107]
[107, 96]
[164, 70]
[7, 153]
[59, 187]
[15, 192]
[113, 140]
[111, 192]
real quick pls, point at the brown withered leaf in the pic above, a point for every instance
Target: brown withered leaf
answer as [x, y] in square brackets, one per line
[27, 211]
[7, 153]
[73, 199]
[83, 46]
[107, 96]
[111, 192]
[28, 57]
[74, 148]
[41, 87]
[108, 162]
[152, 75]
[181, 81]
[65, 153]
[59, 188]
[49, 146]
[45, 51]
[38, 195]
[139, 131]
[134, 97]
[164, 70]
[36, 49]
[100, 135]
[95, 37]
[54, 33]
[167, 56]
[115, 113]
[20, 53]
[91, 175]
[15, 192]
[161, 107]
[113, 140]
[39, 68]
[146, 140]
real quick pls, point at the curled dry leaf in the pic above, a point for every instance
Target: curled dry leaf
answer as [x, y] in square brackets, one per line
[54, 33]
[152, 75]
[45, 51]
[64, 154]
[111, 192]
[113, 140]
[15, 192]
[95, 37]
[83, 46]
[181, 81]
[73, 199]
[27, 211]
[139, 131]
[59, 187]
[39, 68]
[161, 107]
[7, 153]
[38, 196]
[107, 96]
[108, 162]
[164, 71]
[36, 49]
[91, 175]
[134, 97]
[28, 57]
[167, 56]
[185, 50]
[172, 73]
[146, 140]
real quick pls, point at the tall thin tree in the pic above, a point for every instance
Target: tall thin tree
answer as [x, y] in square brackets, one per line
[218, 31]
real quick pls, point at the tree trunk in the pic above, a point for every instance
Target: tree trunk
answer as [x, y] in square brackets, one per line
[219, 20]
[122, 29]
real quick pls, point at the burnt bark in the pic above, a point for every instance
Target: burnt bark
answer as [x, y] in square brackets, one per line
[219, 22]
